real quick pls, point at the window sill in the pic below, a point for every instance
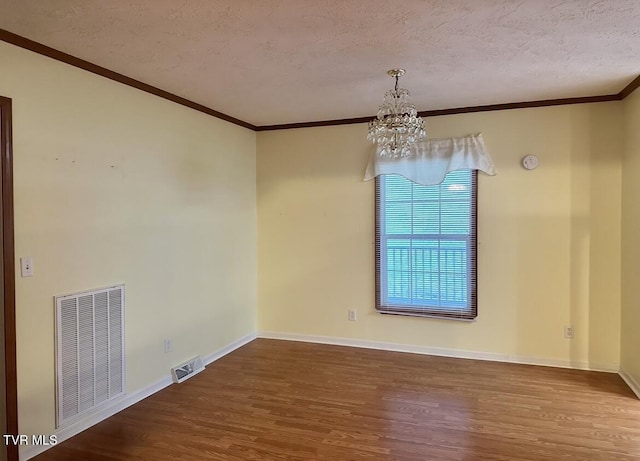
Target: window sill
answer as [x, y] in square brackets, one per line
[428, 316]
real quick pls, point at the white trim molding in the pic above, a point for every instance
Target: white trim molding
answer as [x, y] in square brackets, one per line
[229, 348]
[443, 352]
[63, 434]
[631, 382]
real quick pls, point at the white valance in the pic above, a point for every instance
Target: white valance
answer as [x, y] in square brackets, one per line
[430, 160]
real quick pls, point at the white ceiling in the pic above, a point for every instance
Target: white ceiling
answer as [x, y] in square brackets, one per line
[284, 61]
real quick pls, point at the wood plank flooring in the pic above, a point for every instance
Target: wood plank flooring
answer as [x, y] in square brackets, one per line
[281, 400]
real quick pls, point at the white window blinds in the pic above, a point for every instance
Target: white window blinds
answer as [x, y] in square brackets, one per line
[426, 246]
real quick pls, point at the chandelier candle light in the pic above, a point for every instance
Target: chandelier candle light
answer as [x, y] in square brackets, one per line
[397, 126]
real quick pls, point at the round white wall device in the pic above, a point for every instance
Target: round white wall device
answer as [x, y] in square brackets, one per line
[530, 162]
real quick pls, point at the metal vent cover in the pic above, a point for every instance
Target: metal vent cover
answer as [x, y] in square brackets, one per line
[187, 369]
[89, 351]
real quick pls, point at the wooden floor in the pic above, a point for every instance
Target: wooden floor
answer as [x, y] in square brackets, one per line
[280, 400]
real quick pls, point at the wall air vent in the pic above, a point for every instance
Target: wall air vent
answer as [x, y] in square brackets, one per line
[187, 369]
[89, 351]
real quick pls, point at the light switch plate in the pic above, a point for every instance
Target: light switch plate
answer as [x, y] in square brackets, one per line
[26, 266]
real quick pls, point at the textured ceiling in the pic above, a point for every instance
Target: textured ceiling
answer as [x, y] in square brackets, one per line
[284, 61]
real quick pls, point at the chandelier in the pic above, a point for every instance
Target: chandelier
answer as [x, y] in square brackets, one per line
[397, 125]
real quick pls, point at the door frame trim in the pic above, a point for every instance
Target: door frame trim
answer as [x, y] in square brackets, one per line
[8, 273]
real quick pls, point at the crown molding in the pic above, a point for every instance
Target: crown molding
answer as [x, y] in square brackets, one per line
[52, 53]
[453, 111]
[630, 88]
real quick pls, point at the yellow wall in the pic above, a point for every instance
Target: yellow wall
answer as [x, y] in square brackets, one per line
[630, 350]
[549, 239]
[113, 185]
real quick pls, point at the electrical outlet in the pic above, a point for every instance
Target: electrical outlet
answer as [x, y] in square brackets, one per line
[568, 331]
[352, 315]
[168, 346]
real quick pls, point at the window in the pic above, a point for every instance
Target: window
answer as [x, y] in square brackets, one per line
[426, 246]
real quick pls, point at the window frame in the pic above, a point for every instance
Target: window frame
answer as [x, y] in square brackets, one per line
[470, 313]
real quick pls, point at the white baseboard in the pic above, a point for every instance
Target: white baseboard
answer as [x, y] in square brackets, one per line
[65, 433]
[631, 382]
[427, 350]
[229, 348]
[31, 451]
